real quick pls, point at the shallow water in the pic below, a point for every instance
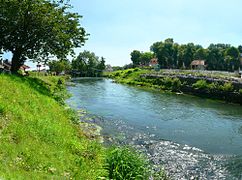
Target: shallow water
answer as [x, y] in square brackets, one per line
[190, 136]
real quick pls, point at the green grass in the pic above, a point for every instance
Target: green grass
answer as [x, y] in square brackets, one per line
[41, 139]
[126, 163]
[174, 81]
[38, 139]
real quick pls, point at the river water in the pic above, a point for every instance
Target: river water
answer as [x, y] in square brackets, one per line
[189, 136]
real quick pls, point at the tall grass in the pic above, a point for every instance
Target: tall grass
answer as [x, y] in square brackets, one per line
[126, 163]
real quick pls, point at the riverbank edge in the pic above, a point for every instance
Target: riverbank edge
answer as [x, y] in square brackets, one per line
[206, 87]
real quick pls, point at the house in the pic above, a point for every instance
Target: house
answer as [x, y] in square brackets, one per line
[5, 66]
[153, 62]
[24, 67]
[1, 64]
[198, 65]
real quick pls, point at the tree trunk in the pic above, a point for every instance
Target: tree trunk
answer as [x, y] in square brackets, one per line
[16, 62]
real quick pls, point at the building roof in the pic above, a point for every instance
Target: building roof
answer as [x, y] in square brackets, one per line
[24, 67]
[154, 61]
[7, 65]
[198, 62]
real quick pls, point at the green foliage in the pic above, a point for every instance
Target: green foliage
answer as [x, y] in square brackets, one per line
[125, 163]
[212, 87]
[171, 83]
[59, 66]
[37, 29]
[37, 137]
[227, 87]
[200, 84]
[135, 57]
[140, 58]
[240, 91]
[88, 64]
[172, 55]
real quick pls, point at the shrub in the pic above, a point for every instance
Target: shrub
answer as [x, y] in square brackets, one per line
[213, 87]
[126, 163]
[228, 87]
[176, 84]
[200, 84]
[240, 91]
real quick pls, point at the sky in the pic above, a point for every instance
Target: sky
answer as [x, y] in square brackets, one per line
[117, 27]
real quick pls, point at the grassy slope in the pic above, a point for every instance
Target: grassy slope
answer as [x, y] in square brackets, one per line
[38, 139]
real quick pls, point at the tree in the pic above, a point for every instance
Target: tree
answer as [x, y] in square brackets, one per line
[88, 64]
[101, 66]
[38, 29]
[135, 57]
[146, 57]
[240, 48]
[200, 54]
[59, 66]
[166, 53]
[232, 58]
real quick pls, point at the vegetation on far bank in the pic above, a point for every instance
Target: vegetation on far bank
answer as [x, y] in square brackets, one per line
[40, 138]
[216, 86]
[171, 55]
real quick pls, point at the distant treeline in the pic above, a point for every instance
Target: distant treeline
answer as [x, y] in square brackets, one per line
[172, 55]
[86, 64]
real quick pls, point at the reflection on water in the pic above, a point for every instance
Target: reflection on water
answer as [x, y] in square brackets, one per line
[214, 127]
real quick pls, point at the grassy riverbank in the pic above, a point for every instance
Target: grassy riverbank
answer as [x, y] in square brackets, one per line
[204, 84]
[37, 138]
[40, 138]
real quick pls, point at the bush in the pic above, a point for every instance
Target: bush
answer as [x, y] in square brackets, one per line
[176, 84]
[200, 84]
[228, 87]
[213, 87]
[126, 163]
[240, 91]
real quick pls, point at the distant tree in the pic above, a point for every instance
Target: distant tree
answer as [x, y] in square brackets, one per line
[166, 52]
[200, 53]
[240, 48]
[59, 66]
[116, 68]
[175, 55]
[218, 56]
[146, 57]
[39, 28]
[128, 66]
[185, 55]
[135, 57]
[88, 64]
[101, 66]
[232, 58]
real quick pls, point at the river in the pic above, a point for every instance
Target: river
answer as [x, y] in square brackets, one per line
[190, 137]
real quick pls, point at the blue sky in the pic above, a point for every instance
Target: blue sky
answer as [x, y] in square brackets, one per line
[119, 26]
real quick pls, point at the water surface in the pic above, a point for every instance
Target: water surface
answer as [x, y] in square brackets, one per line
[184, 121]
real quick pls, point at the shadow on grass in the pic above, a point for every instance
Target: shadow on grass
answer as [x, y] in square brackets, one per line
[35, 83]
